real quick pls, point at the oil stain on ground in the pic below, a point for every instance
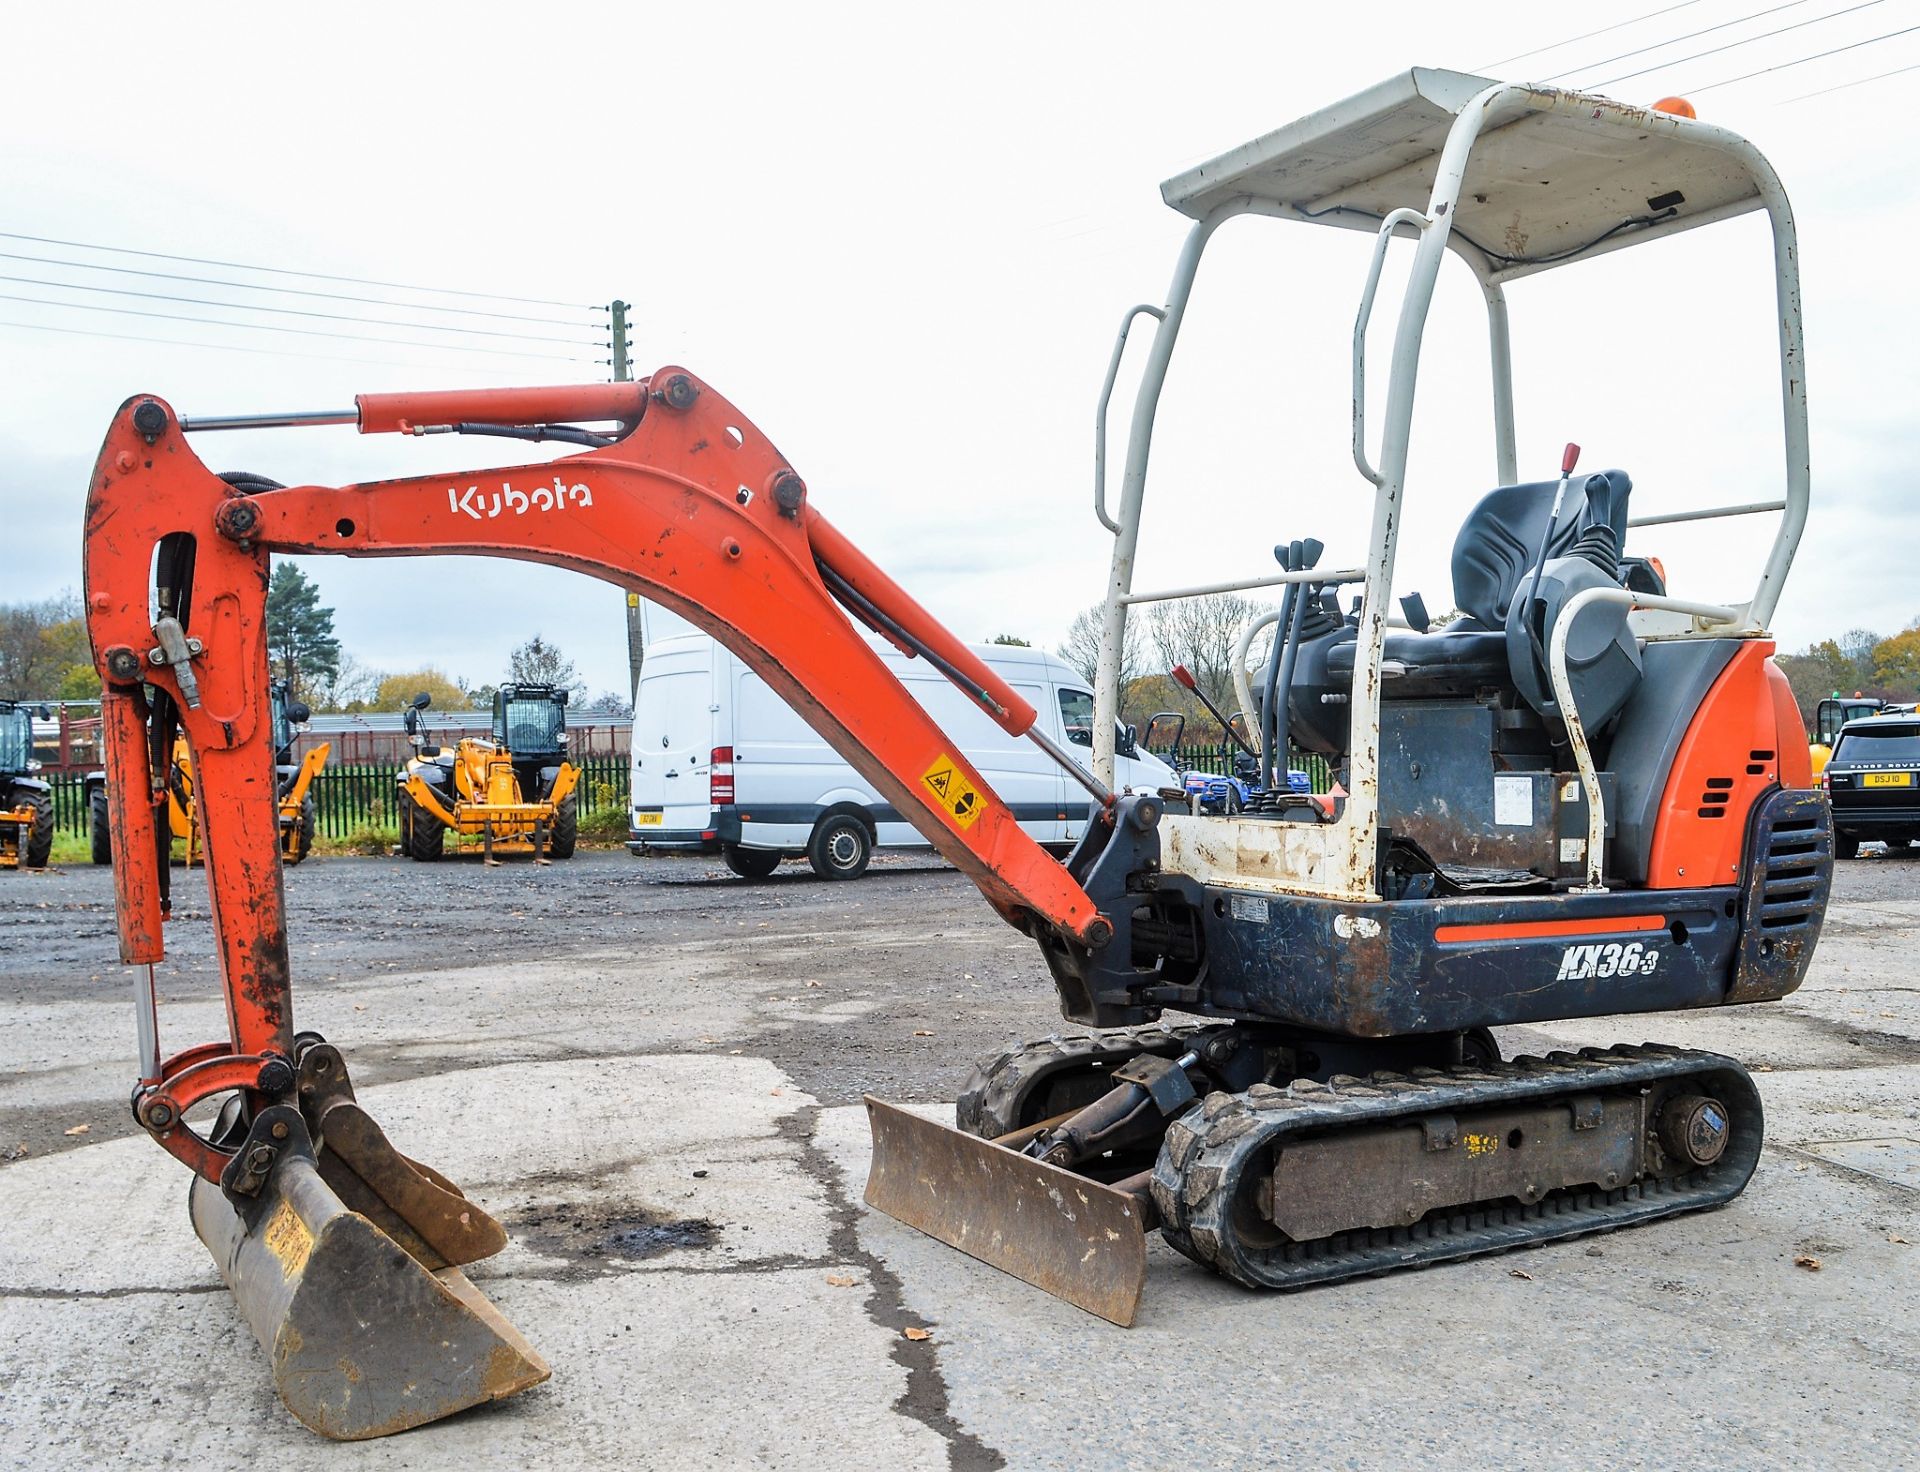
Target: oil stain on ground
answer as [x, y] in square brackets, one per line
[605, 1235]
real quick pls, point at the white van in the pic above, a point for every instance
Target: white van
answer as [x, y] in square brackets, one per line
[722, 764]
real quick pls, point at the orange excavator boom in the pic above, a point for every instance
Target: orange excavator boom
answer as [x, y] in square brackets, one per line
[681, 499]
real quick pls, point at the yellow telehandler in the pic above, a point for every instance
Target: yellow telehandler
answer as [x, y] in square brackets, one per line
[293, 784]
[514, 791]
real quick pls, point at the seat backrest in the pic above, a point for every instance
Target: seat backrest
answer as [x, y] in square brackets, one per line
[1501, 537]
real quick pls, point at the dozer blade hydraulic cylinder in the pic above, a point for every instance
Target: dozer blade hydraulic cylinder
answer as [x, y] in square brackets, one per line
[1065, 1233]
[368, 1329]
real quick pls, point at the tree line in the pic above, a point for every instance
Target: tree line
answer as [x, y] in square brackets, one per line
[1200, 633]
[1859, 662]
[44, 655]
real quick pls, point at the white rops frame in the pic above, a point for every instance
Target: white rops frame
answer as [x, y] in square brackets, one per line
[1357, 165]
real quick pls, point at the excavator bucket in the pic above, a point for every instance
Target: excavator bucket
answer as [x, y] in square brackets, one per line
[346, 1262]
[1062, 1232]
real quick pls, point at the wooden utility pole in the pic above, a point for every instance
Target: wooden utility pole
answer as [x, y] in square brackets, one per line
[636, 634]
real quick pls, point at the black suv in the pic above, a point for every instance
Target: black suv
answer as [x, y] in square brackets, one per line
[1874, 782]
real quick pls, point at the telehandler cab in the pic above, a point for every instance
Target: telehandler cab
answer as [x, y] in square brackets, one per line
[481, 788]
[26, 801]
[1588, 797]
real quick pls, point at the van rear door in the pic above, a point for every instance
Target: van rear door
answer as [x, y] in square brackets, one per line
[672, 744]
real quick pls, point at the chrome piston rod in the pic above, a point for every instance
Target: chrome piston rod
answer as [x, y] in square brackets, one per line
[272, 421]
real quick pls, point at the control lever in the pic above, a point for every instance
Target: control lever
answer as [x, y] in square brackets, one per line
[1536, 635]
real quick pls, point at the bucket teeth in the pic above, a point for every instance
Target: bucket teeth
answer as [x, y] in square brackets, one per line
[369, 1325]
[1066, 1233]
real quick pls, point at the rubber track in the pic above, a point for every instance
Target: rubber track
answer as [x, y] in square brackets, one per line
[990, 1104]
[1208, 1149]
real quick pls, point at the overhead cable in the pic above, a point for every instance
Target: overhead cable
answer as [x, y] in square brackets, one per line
[1676, 40]
[1618, 25]
[442, 347]
[533, 301]
[1856, 82]
[234, 347]
[201, 301]
[1798, 25]
[1803, 60]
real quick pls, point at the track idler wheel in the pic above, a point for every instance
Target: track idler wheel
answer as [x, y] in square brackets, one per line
[345, 1260]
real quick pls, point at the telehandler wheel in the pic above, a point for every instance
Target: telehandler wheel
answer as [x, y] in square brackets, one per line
[303, 831]
[99, 830]
[840, 847]
[564, 832]
[750, 863]
[39, 836]
[422, 835]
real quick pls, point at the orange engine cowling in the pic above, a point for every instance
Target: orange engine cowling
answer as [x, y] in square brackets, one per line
[1745, 739]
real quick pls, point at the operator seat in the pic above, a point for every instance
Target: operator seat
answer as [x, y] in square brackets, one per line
[1492, 558]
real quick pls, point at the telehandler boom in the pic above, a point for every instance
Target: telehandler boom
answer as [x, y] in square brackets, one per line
[1585, 797]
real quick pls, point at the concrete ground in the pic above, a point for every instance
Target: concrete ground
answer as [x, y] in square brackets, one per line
[651, 1072]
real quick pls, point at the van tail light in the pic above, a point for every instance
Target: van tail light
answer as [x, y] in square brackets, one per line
[720, 782]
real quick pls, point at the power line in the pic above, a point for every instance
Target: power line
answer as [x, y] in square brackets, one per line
[1674, 41]
[234, 347]
[1802, 61]
[334, 296]
[201, 301]
[444, 347]
[1856, 82]
[1798, 25]
[1618, 25]
[489, 296]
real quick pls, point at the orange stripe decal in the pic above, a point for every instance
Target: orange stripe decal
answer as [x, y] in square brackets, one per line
[1548, 929]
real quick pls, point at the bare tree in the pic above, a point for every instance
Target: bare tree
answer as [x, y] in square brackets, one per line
[1200, 633]
[1081, 647]
[540, 662]
[351, 687]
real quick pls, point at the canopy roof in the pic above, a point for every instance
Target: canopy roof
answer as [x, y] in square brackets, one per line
[1553, 176]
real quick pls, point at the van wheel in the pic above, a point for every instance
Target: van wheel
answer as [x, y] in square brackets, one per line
[751, 863]
[1846, 845]
[840, 847]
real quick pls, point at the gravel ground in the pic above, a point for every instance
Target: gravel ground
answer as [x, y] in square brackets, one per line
[892, 984]
[616, 1051]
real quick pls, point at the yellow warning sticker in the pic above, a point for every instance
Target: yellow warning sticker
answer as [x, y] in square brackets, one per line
[950, 786]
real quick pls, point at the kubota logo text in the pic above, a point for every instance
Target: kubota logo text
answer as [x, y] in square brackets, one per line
[484, 506]
[1577, 963]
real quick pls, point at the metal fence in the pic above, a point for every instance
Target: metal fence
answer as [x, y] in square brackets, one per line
[349, 797]
[1218, 760]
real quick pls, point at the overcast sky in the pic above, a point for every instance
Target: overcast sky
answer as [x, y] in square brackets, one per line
[901, 238]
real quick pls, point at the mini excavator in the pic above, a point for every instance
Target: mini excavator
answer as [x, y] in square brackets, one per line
[1588, 796]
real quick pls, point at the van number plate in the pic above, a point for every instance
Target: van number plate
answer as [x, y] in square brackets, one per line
[648, 820]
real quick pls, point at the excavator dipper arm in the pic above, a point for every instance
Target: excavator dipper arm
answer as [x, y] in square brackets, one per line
[690, 505]
[310, 1213]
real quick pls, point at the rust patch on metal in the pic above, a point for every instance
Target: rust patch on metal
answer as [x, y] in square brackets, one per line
[1065, 1233]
